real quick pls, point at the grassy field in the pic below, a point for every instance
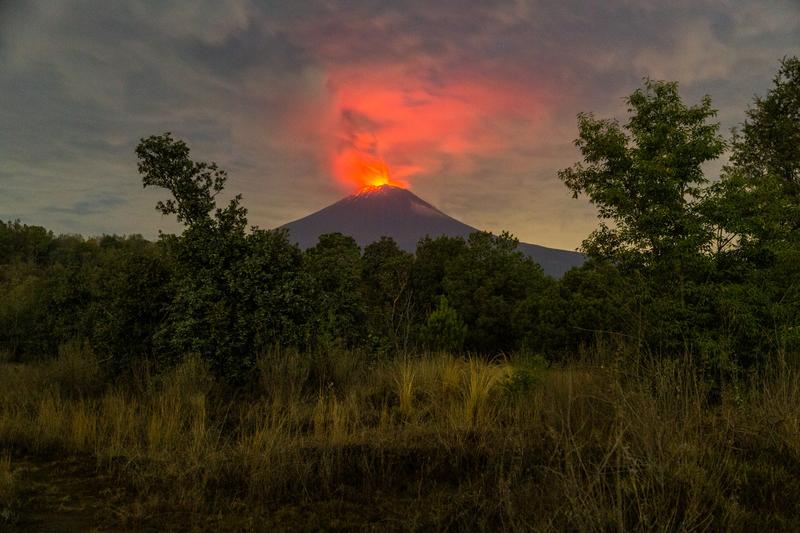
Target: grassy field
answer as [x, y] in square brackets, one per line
[432, 442]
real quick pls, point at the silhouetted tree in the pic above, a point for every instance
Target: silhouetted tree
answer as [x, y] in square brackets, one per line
[646, 178]
[486, 284]
[234, 290]
[388, 293]
[443, 330]
[333, 267]
[756, 207]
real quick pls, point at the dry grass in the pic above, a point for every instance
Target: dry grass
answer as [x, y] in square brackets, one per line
[8, 490]
[404, 379]
[431, 442]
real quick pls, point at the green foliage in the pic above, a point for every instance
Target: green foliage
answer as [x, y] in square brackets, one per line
[591, 306]
[333, 267]
[487, 283]
[20, 243]
[164, 162]
[769, 144]
[758, 200]
[130, 294]
[646, 178]
[647, 181]
[756, 208]
[388, 293]
[111, 291]
[23, 317]
[494, 288]
[270, 282]
[235, 293]
[528, 373]
[443, 330]
[429, 269]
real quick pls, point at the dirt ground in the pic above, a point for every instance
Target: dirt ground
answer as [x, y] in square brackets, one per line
[64, 495]
[71, 494]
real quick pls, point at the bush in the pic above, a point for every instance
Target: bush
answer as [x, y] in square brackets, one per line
[444, 330]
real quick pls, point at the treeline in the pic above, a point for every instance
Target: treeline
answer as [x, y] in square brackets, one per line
[232, 299]
[680, 266]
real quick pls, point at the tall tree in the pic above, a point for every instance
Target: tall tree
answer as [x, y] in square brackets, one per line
[333, 267]
[757, 208]
[647, 181]
[487, 284]
[427, 276]
[388, 293]
[761, 184]
[164, 162]
[769, 143]
[234, 289]
[646, 177]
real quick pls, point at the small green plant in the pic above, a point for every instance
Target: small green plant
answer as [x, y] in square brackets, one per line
[528, 372]
[444, 330]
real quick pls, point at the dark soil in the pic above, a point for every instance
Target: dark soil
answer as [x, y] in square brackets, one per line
[63, 495]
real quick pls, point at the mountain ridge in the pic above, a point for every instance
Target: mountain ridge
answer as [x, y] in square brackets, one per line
[386, 210]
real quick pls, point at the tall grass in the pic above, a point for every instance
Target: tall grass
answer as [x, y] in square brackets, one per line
[8, 491]
[406, 372]
[426, 442]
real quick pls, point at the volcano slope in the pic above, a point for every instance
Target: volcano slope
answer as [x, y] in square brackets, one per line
[390, 211]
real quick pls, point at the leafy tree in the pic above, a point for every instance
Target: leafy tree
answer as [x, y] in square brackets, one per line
[429, 269]
[759, 195]
[388, 293]
[769, 143]
[23, 243]
[756, 206]
[593, 305]
[270, 280]
[234, 290]
[164, 162]
[647, 181]
[333, 267]
[486, 284]
[24, 257]
[130, 296]
[68, 296]
[23, 313]
[493, 288]
[443, 330]
[646, 178]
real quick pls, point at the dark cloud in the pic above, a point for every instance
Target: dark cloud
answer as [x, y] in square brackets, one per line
[92, 205]
[257, 87]
[246, 51]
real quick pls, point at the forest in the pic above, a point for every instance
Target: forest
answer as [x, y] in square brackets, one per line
[224, 378]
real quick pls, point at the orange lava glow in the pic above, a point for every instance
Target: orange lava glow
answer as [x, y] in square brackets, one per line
[363, 170]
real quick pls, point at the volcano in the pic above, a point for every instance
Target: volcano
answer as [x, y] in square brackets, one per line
[375, 212]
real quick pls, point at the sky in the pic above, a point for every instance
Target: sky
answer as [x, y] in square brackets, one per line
[471, 103]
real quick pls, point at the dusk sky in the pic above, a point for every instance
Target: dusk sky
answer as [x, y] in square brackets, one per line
[471, 104]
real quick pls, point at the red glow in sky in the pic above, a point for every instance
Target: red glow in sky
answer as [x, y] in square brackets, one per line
[392, 127]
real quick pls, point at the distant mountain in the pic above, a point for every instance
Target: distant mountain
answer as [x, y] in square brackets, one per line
[398, 213]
